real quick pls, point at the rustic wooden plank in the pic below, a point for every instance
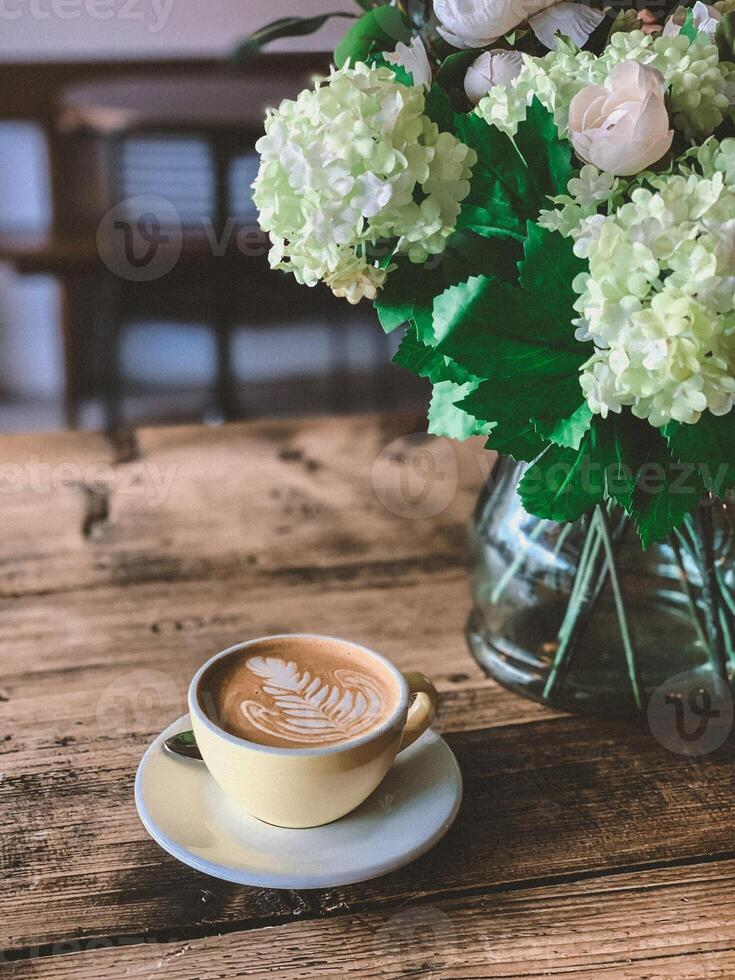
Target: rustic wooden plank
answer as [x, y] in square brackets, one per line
[543, 800]
[88, 667]
[116, 583]
[112, 608]
[195, 503]
[667, 924]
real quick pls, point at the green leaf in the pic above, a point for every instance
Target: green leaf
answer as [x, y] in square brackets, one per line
[380, 29]
[564, 483]
[710, 446]
[446, 418]
[451, 73]
[513, 178]
[449, 79]
[521, 343]
[622, 458]
[439, 109]
[497, 330]
[624, 443]
[689, 28]
[516, 404]
[428, 362]
[547, 157]
[468, 254]
[410, 289]
[408, 294]
[567, 432]
[284, 27]
[666, 491]
[550, 265]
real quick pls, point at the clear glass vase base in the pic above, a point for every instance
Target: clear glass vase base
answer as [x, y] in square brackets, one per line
[596, 682]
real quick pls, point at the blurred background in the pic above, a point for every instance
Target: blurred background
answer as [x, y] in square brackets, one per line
[134, 282]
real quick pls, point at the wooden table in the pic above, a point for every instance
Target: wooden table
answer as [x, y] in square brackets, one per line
[583, 847]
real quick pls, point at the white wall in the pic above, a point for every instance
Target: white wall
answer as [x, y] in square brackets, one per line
[74, 29]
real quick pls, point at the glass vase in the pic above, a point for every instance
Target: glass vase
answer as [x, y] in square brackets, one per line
[581, 617]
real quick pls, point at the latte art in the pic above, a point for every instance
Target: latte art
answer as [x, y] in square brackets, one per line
[299, 692]
[312, 710]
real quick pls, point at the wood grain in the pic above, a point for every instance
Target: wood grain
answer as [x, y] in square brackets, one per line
[276, 500]
[582, 848]
[665, 924]
[81, 866]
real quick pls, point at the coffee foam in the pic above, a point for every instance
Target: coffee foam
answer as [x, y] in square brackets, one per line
[299, 692]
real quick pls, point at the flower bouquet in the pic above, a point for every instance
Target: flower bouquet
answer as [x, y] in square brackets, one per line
[543, 198]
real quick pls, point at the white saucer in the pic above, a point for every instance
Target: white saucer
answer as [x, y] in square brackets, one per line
[184, 811]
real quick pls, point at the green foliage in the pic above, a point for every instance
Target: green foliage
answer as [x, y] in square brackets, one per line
[491, 328]
[550, 266]
[428, 362]
[567, 432]
[689, 28]
[449, 78]
[439, 109]
[515, 404]
[410, 289]
[621, 458]
[380, 29]
[446, 418]
[451, 384]
[666, 491]
[564, 483]
[514, 177]
[520, 342]
[710, 446]
[408, 295]
[284, 27]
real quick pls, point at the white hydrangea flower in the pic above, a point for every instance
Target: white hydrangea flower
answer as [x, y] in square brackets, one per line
[592, 186]
[658, 301]
[348, 163]
[713, 157]
[587, 192]
[700, 87]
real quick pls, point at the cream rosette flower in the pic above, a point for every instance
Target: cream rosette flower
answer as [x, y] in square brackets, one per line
[498, 67]
[622, 129]
[479, 23]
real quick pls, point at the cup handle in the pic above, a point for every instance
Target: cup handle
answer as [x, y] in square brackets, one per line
[423, 710]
